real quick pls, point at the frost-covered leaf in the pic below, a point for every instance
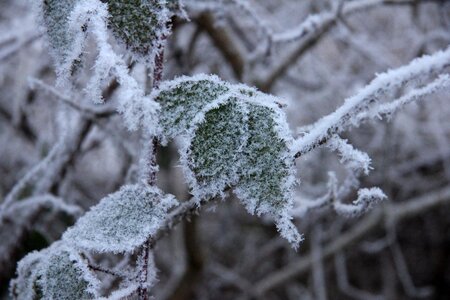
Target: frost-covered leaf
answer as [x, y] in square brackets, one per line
[26, 286]
[241, 145]
[182, 99]
[55, 14]
[234, 137]
[266, 162]
[140, 24]
[57, 272]
[122, 221]
[63, 278]
[213, 156]
[267, 177]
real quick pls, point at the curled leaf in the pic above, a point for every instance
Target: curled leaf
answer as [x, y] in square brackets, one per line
[234, 137]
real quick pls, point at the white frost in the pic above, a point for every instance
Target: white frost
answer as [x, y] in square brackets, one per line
[122, 221]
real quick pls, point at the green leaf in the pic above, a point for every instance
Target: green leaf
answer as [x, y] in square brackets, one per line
[56, 15]
[26, 285]
[266, 163]
[140, 24]
[122, 221]
[183, 99]
[63, 278]
[268, 174]
[234, 137]
[213, 157]
[54, 273]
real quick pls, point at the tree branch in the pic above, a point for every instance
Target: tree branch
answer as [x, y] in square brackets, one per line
[224, 43]
[311, 38]
[346, 114]
[391, 213]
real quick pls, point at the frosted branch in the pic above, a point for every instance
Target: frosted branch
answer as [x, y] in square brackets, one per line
[31, 175]
[91, 112]
[367, 199]
[354, 159]
[391, 213]
[388, 109]
[311, 31]
[346, 115]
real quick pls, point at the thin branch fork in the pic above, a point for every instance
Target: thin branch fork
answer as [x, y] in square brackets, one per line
[310, 39]
[235, 56]
[88, 111]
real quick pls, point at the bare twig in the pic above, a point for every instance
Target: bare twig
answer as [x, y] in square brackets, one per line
[318, 273]
[15, 48]
[151, 176]
[343, 282]
[405, 277]
[310, 38]
[106, 271]
[224, 42]
[392, 213]
[87, 111]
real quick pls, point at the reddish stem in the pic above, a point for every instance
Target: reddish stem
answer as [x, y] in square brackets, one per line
[157, 77]
[143, 276]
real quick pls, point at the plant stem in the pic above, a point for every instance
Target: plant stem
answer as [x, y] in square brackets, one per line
[151, 180]
[143, 274]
